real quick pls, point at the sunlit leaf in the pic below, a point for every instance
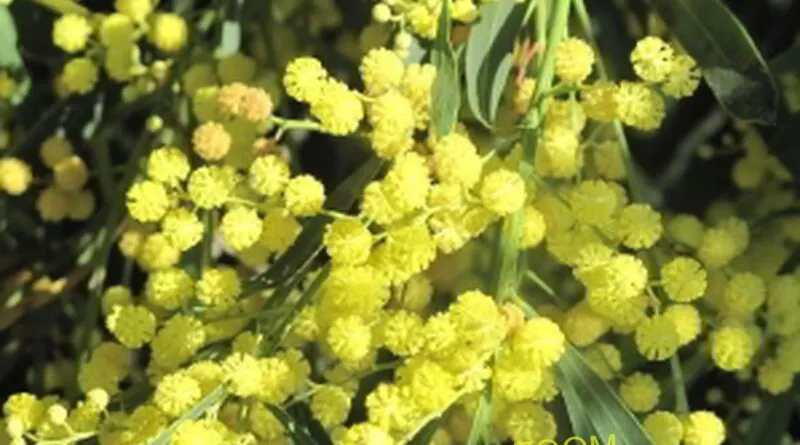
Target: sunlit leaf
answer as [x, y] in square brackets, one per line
[446, 91]
[489, 55]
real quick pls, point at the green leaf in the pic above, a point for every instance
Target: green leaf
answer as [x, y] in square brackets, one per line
[446, 92]
[299, 436]
[593, 398]
[425, 435]
[9, 53]
[482, 418]
[786, 62]
[579, 419]
[772, 420]
[489, 55]
[308, 244]
[731, 63]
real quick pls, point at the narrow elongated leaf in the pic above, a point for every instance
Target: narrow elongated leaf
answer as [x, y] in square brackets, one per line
[425, 435]
[446, 91]
[786, 62]
[9, 53]
[578, 417]
[489, 59]
[772, 420]
[592, 397]
[732, 64]
[481, 419]
[299, 436]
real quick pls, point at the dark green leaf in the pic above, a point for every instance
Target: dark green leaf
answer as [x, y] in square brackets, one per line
[279, 330]
[425, 435]
[786, 62]
[482, 418]
[732, 64]
[772, 420]
[591, 396]
[446, 90]
[9, 53]
[307, 245]
[489, 57]
[579, 419]
[299, 436]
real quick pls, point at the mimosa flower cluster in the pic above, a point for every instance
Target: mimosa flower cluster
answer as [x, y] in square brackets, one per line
[261, 294]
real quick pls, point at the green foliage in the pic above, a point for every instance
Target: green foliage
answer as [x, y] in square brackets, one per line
[446, 92]
[589, 397]
[489, 57]
[9, 51]
[425, 435]
[769, 425]
[297, 432]
[732, 65]
[482, 419]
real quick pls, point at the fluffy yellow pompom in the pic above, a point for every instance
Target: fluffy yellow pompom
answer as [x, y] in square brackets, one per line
[744, 294]
[338, 109]
[304, 196]
[71, 33]
[79, 75]
[392, 118]
[687, 321]
[594, 202]
[241, 228]
[135, 9]
[684, 279]
[218, 287]
[639, 226]
[703, 428]
[381, 69]
[347, 241]
[147, 201]
[456, 160]
[117, 30]
[176, 393]
[55, 149]
[639, 106]
[168, 32]
[652, 59]
[211, 141]
[70, 174]
[350, 338]
[503, 192]
[15, 176]
[209, 187]
[640, 392]
[268, 175]
[732, 347]
[304, 79]
[657, 338]
[574, 60]
[168, 165]
[132, 325]
[664, 427]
